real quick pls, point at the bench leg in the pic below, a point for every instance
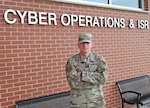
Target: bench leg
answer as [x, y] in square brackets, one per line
[138, 106]
[122, 104]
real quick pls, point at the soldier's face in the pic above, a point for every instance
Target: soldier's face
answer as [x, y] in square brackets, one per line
[85, 47]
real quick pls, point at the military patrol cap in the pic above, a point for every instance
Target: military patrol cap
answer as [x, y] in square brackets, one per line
[85, 37]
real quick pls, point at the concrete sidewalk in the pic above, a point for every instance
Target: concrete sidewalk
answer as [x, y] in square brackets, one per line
[145, 106]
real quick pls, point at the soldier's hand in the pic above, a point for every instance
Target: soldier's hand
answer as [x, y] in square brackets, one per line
[79, 76]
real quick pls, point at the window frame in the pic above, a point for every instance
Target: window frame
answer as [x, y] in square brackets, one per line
[109, 2]
[109, 5]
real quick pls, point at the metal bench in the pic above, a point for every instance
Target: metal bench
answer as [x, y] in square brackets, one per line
[60, 100]
[135, 90]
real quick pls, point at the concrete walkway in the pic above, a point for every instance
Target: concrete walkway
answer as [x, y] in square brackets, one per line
[145, 106]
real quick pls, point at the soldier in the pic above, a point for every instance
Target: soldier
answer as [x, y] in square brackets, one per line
[86, 73]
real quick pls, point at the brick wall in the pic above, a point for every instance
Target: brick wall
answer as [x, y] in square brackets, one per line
[33, 57]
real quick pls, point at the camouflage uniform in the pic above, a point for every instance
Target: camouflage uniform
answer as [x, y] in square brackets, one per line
[86, 91]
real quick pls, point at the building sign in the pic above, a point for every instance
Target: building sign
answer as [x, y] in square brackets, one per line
[43, 18]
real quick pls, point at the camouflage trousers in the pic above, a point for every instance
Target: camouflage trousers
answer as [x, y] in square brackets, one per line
[85, 106]
[88, 107]
[87, 98]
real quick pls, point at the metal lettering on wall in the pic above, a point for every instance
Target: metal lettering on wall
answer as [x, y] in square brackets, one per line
[43, 18]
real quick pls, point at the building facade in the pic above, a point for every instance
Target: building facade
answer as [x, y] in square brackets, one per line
[38, 36]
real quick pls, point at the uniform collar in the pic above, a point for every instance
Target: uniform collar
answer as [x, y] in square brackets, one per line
[89, 58]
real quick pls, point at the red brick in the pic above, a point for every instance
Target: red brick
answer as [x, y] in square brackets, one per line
[26, 96]
[18, 92]
[7, 94]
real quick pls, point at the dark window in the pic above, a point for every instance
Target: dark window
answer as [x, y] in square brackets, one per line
[126, 3]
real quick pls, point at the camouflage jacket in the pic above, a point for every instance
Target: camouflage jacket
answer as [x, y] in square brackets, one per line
[93, 71]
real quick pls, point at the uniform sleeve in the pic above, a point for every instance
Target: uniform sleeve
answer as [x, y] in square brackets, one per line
[99, 76]
[71, 75]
